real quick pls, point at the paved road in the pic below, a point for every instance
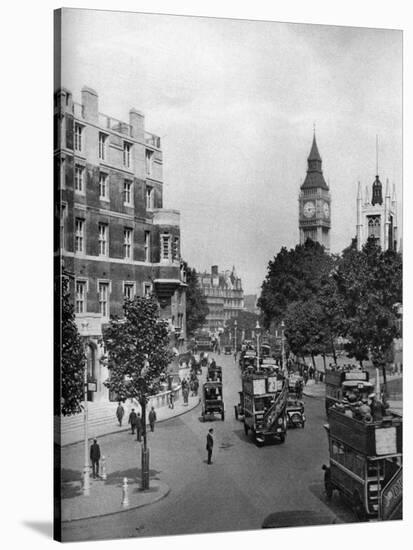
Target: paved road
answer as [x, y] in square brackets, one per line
[242, 486]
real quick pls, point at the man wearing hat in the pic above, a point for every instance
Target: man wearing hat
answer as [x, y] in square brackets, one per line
[94, 458]
[133, 420]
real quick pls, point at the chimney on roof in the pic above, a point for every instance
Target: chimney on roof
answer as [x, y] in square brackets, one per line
[90, 104]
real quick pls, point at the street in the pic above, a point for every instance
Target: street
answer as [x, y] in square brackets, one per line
[242, 486]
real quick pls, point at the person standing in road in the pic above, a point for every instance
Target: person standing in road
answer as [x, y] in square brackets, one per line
[139, 427]
[152, 418]
[210, 444]
[185, 394]
[132, 420]
[94, 458]
[120, 411]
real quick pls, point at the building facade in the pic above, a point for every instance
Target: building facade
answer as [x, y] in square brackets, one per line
[376, 217]
[314, 217]
[224, 296]
[116, 239]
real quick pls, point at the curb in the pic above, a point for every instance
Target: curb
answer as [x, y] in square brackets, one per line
[121, 430]
[135, 507]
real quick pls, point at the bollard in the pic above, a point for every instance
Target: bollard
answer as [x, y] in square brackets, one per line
[125, 496]
[103, 474]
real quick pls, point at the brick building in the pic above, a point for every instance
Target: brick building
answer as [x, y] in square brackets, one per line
[224, 296]
[116, 239]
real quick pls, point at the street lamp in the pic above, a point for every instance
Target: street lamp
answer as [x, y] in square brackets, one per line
[235, 338]
[86, 474]
[257, 331]
[282, 345]
[145, 451]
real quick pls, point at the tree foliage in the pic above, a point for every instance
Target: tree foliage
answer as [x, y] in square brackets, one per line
[196, 305]
[137, 348]
[294, 275]
[370, 285]
[73, 359]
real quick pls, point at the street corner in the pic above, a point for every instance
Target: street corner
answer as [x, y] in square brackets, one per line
[109, 497]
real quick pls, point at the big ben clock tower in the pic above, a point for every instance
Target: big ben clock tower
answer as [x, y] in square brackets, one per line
[314, 203]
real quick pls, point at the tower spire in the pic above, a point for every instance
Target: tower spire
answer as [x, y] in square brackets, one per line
[377, 155]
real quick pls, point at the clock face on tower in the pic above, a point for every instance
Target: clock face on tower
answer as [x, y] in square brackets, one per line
[326, 210]
[309, 209]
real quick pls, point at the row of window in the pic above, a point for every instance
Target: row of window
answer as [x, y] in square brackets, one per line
[103, 140]
[180, 320]
[104, 289]
[169, 247]
[104, 187]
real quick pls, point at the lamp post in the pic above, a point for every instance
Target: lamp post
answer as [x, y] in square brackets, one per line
[86, 474]
[235, 339]
[145, 451]
[257, 332]
[282, 345]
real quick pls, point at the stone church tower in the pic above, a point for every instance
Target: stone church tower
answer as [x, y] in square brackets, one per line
[314, 203]
[377, 217]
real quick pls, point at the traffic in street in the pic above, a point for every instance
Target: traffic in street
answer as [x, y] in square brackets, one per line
[242, 487]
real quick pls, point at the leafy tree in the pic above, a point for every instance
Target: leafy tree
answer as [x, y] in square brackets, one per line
[370, 284]
[73, 359]
[196, 305]
[246, 321]
[137, 348]
[293, 276]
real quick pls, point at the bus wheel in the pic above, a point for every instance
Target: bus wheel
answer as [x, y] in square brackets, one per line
[328, 489]
[222, 415]
[236, 412]
[359, 508]
[282, 438]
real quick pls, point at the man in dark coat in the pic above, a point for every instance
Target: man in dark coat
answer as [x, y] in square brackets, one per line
[210, 444]
[152, 418]
[138, 427]
[120, 411]
[133, 420]
[94, 458]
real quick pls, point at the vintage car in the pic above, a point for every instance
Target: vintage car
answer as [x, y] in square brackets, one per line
[212, 399]
[227, 350]
[295, 413]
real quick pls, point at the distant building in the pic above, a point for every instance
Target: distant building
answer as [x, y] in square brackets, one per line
[314, 220]
[250, 303]
[224, 296]
[376, 217]
[116, 239]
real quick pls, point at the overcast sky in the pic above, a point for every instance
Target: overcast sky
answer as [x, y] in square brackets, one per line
[235, 103]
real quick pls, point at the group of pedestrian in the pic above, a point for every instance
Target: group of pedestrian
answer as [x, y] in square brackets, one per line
[135, 420]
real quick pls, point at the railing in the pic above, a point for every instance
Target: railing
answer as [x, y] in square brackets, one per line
[114, 124]
[151, 139]
[162, 399]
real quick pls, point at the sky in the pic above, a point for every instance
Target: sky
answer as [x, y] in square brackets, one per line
[235, 103]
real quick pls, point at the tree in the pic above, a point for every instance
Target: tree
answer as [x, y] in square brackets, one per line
[370, 284]
[196, 305]
[137, 348]
[246, 321]
[73, 359]
[293, 276]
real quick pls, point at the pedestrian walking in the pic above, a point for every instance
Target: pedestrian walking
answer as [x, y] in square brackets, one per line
[185, 394]
[139, 427]
[171, 400]
[196, 386]
[210, 444]
[152, 418]
[120, 411]
[94, 458]
[133, 420]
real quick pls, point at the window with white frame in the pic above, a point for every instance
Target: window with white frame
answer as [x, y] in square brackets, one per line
[104, 299]
[78, 136]
[128, 290]
[80, 298]
[79, 184]
[127, 154]
[127, 192]
[147, 289]
[147, 246]
[149, 197]
[175, 250]
[103, 186]
[165, 247]
[103, 239]
[149, 161]
[127, 243]
[102, 145]
[79, 235]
